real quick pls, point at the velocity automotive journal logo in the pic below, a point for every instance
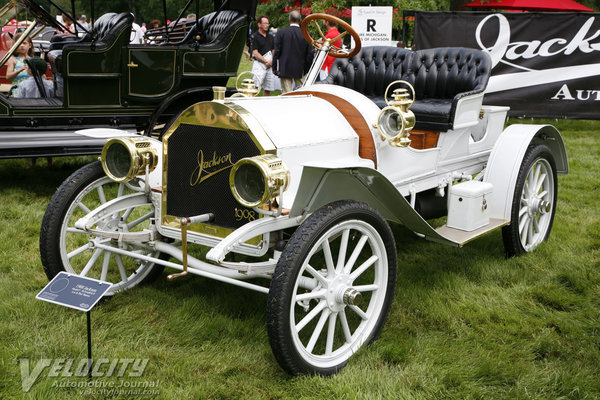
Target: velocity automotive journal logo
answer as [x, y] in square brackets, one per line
[64, 368]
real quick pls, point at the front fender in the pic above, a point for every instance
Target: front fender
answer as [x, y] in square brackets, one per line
[506, 158]
[320, 186]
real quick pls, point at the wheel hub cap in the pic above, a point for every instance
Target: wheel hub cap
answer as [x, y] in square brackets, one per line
[352, 297]
[536, 205]
[544, 206]
[340, 292]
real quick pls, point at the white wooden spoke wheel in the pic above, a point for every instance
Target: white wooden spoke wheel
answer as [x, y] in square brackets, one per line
[332, 288]
[537, 201]
[534, 202]
[65, 247]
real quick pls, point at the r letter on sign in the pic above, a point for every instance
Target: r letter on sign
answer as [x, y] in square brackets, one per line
[371, 25]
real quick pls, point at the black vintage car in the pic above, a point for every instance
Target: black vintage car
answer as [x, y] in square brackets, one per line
[101, 80]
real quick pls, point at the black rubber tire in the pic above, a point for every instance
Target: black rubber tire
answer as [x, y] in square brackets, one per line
[55, 214]
[289, 265]
[510, 233]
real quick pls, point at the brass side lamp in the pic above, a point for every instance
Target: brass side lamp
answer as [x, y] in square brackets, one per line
[396, 120]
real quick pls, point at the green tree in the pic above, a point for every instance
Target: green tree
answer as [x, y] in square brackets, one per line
[276, 9]
[143, 11]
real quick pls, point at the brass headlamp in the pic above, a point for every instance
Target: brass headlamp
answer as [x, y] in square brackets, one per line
[256, 180]
[396, 120]
[127, 157]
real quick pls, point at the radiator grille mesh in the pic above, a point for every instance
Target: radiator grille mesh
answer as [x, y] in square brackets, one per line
[198, 164]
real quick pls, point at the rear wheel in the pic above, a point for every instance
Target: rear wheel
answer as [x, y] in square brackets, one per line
[534, 202]
[64, 247]
[332, 288]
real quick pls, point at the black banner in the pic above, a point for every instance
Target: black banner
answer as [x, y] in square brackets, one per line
[545, 64]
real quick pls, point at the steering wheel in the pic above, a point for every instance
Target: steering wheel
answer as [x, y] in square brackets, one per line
[333, 50]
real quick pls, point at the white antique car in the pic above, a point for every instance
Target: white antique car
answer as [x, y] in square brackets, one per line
[299, 189]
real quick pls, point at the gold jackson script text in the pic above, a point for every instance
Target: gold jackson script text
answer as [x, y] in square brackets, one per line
[205, 168]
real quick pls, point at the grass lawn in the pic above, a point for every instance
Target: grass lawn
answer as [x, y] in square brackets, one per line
[465, 323]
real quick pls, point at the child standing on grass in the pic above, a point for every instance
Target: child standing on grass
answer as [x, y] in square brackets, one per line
[16, 70]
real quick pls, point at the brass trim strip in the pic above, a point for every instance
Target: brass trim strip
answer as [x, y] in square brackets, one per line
[21, 39]
[257, 132]
[95, 75]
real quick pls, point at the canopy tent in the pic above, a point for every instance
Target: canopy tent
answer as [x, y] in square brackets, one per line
[529, 5]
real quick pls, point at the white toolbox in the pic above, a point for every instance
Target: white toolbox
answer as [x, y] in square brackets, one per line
[467, 208]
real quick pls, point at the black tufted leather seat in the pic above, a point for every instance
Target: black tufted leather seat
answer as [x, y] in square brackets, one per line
[106, 30]
[440, 76]
[370, 71]
[218, 25]
[105, 26]
[226, 20]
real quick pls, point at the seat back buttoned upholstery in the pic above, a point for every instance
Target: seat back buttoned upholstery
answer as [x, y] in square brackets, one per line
[440, 77]
[370, 71]
[219, 30]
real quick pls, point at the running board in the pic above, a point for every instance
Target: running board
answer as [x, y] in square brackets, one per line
[461, 237]
[53, 143]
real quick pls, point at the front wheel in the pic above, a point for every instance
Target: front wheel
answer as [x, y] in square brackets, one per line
[332, 288]
[63, 247]
[534, 202]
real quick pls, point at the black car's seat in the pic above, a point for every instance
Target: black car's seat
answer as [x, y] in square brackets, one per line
[211, 27]
[370, 71]
[106, 30]
[214, 29]
[440, 76]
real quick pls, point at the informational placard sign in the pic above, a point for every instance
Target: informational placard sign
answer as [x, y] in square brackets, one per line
[373, 25]
[74, 291]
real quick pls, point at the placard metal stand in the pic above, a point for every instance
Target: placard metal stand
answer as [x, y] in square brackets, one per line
[78, 292]
[89, 334]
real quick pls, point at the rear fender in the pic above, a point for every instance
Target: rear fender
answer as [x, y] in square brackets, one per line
[506, 158]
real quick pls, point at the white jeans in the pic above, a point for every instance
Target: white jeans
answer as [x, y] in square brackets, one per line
[264, 75]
